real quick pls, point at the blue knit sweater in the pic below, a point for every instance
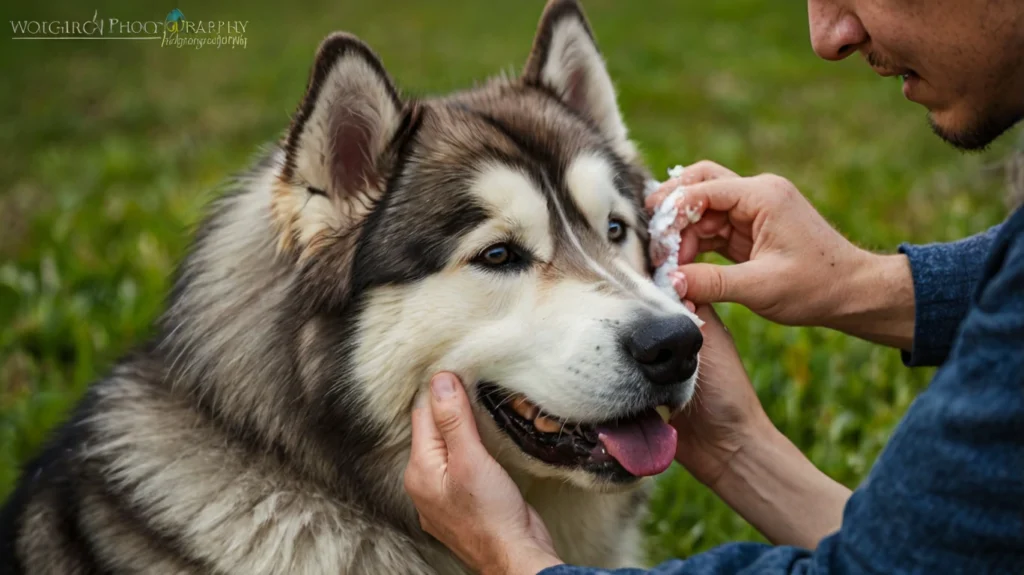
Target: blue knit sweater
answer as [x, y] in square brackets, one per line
[946, 495]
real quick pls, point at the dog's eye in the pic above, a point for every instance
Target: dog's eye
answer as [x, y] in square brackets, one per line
[500, 256]
[616, 230]
[497, 255]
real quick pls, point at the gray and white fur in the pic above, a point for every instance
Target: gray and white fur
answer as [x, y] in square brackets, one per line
[265, 428]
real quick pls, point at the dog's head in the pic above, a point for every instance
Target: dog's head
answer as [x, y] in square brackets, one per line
[497, 233]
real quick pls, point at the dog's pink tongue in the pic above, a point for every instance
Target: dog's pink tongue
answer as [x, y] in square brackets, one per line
[644, 446]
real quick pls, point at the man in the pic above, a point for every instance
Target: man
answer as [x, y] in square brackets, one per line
[947, 494]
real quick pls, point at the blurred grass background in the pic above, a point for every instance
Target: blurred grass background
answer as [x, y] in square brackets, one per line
[110, 149]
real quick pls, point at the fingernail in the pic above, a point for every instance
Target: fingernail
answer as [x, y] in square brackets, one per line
[689, 305]
[678, 282]
[442, 386]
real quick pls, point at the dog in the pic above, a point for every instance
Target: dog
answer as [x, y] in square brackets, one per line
[497, 232]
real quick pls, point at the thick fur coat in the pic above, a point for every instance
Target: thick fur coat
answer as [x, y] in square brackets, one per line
[265, 429]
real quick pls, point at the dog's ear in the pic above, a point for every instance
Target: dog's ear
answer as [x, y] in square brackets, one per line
[338, 155]
[565, 59]
[345, 122]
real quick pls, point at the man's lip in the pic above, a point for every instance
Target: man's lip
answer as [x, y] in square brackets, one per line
[890, 73]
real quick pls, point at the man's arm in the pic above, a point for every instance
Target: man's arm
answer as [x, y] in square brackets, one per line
[791, 267]
[781, 493]
[915, 300]
[875, 300]
[946, 495]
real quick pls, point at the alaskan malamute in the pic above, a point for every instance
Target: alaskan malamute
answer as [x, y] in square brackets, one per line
[496, 232]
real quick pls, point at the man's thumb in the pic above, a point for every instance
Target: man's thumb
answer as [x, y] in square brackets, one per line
[452, 412]
[711, 283]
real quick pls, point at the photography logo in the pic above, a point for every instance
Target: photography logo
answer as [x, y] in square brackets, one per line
[174, 22]
[174, 31]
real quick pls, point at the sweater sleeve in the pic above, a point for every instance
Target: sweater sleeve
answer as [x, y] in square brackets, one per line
[945, 276]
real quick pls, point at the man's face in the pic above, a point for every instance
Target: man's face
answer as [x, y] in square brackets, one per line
[963, 60]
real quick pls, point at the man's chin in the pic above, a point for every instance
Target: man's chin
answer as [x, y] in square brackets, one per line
[975, 136]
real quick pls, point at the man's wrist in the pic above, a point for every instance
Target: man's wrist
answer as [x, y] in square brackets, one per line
[875, 300]
[525, 559]
[780, 492]
[537, 563]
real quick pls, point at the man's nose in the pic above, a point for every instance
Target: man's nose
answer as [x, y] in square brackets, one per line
[836, 31]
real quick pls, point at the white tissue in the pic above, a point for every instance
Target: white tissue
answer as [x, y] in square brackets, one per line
[650, 186]
[664, 230]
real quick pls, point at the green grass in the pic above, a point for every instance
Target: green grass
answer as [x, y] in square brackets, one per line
[110, 150]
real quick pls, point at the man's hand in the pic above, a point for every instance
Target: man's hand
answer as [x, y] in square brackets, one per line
[792, 266]
[727, 442]
[725, 413]
[464, 497]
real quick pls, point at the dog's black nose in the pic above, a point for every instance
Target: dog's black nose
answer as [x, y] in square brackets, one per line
[665, 348]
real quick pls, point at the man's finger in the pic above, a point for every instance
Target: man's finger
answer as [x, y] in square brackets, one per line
[428, 455]
[740, 198]
[713, 327]
[708, 314]
[453, 416]
[710, 283]
[689, 244]
[711, 245]
[426, 437]
[702, 171]
[711, 224]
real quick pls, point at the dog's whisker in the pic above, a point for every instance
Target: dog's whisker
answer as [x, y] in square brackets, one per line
[709, 360]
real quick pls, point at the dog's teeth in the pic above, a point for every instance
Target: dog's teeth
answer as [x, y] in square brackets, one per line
[547, 425]
[664, 412]
[524, 408]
